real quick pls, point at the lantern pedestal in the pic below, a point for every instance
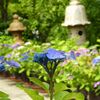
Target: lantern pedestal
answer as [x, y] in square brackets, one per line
[18, 37]
[78, 32]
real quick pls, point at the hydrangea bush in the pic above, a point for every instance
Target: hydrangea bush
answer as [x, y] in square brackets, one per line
[79, 70]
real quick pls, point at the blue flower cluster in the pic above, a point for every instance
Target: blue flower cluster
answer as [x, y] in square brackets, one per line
[72, 55]
[50, 56]
[50, 59]
[2, 68]
[11, 46]
[25, 56]
[11, 63]
[96, 60]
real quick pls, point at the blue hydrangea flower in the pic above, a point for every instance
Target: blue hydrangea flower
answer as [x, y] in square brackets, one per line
[41, 59]
[8, 55]
[72, 55]
[2, 68]
[55, 55]
[25, 58]
[13, 63]
[1, 59]
[26, 53]
[49, 56]
[96, 60]
[6, 45]
[77, 54]
[15, 46]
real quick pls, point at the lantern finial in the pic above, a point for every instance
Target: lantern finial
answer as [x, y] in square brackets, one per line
[74, 2]
[15, 16]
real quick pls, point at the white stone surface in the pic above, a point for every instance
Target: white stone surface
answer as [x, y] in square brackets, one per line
[14, 92]
[8, 86]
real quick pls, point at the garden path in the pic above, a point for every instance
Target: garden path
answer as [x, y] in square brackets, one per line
[8, 86]
[14, 92]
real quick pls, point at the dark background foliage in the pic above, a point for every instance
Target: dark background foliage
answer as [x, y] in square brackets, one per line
[43, 18]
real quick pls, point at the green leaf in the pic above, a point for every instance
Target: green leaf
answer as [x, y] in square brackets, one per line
[22, 70]
[32, 93]
[3, 96]
[60, 95]
[87, 88]
[28, 72]
[57, 80]
[60, 87]
[14, 1]
[76, 96]
[97, 77]
[39, 83]
[46, 85]
[82, 86]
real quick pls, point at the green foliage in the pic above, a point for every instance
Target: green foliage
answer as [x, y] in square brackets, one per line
[59, 87]
[60, 95]
[44, 16]
[97, 90]
[4, 96]
[39, 83]
[76, 96]
[79, 74]
[3, 27]
[47, 16]
[27, 67]
[5, 39]
[68, 96]
[4, 50]
[65, 45]
[92, 8]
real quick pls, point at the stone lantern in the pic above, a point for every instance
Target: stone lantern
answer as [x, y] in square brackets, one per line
[76, 20]
[16, 28]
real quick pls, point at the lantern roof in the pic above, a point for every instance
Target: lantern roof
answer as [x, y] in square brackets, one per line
[16, 25]
[75, 14]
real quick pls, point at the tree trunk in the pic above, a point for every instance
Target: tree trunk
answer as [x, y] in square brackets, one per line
[3, 8]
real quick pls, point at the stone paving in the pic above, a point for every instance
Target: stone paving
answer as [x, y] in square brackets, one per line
[8, 86]
[14, 92]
